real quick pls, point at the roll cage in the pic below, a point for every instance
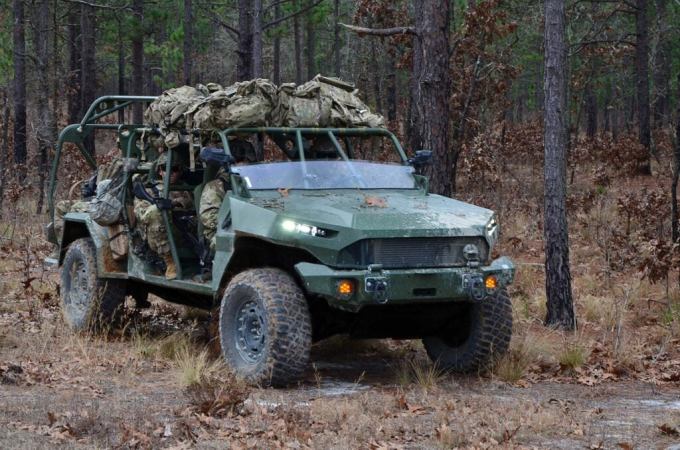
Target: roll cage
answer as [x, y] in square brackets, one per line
[128, 134]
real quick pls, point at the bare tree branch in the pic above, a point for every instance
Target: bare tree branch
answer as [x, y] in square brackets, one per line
[381, 31]
[233, 32]
[100, 6]
[274, 4]
[583, 44]
[290, 16]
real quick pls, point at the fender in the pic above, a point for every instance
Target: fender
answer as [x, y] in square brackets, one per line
[80, 225]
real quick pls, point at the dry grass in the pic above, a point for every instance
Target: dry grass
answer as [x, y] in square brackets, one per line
[218, 393]
[196, 367]
[574, 354]
[420, 373]
[512, 366]
[531, 346]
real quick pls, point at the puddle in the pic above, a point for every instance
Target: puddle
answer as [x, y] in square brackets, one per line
[334, 388]
[270, 405]
[325, 365]
[657, 404]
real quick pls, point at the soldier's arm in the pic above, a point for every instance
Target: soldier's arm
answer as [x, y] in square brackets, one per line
[211, 200]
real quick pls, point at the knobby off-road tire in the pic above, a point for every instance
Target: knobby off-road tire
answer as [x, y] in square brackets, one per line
[89, 303]
[265, 327]
[490, 330]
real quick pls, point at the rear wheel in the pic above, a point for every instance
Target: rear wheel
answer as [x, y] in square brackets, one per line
[89, 303]
[474, 343]
[265, 327]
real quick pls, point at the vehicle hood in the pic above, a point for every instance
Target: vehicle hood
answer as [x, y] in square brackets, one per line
[384, 213]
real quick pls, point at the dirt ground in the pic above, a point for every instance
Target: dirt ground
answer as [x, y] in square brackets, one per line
[67, 391]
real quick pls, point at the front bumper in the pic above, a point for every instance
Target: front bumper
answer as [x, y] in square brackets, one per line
[405, 286]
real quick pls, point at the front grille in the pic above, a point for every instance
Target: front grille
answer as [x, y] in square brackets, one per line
[399, 253]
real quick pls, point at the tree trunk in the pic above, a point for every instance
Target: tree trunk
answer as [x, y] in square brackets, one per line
[336, 38]
[44, 133]
[188, 41]
[539, 98]
[88, 68]
[245, 41]
[19, 87]
[430, 91]
[311, 45]
[607, 107]
[256, 71]
[557, 273]
[662, 68]
[676, 173]
[121, 68]
[391, 69]
[642, 81]
[276, 76]
[73, 80]
[591, 110]
[138, 59]
[377, 77]
[297, 32]
[4, 149]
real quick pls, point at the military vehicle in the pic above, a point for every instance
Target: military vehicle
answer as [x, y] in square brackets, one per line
[312, 241]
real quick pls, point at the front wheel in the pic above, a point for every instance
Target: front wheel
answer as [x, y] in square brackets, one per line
[474, 342]
[265, 327]
[89, 303]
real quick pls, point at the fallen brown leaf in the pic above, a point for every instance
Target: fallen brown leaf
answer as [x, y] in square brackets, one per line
[669, 430]
[375, 202]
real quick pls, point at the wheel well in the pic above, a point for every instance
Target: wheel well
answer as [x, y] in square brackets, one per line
[251, 253]
[72, 231]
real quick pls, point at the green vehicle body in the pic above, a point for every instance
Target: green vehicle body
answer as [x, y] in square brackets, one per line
[262, 228]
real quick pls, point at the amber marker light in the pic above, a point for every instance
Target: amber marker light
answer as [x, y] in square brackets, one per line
[345, 287]
[491, 282]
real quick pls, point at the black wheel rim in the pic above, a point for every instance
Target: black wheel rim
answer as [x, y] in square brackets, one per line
[250, 332]
[76, 300]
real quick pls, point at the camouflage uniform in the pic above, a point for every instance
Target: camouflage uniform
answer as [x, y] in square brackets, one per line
[211, 200]
[150, 220]
[64, 207]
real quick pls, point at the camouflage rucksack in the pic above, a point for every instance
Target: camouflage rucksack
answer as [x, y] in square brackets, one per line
[167, 112]
[324, 102]
[244, 104]
[106, 207]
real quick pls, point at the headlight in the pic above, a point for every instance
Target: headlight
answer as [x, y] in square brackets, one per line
[295, 227]
[492, 229]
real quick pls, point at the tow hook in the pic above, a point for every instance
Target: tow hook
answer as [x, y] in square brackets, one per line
[473, 284]
[376, 285]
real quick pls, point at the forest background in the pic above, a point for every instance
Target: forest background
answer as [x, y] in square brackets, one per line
[476, 98]
[57, 56]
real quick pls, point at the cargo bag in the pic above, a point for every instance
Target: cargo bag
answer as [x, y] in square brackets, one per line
[324, 102]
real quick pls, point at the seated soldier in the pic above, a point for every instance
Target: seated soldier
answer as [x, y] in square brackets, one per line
[150, 220]
[214, 191]
[89, 189]
[322, 148]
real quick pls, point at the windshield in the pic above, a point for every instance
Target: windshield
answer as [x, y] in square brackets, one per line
[326, 175]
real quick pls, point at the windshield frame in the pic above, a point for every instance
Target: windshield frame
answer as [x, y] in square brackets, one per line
[331, 133]
[356, 166]
[298, 133]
